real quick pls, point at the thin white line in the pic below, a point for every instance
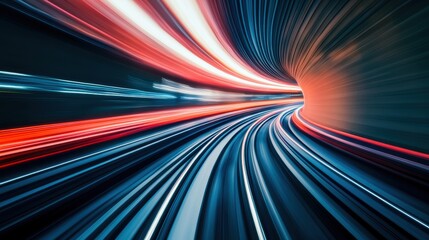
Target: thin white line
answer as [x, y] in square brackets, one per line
[167, 200]
[283, 132]
[253, 211]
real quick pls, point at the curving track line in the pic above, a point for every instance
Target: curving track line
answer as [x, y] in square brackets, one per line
[261, 173]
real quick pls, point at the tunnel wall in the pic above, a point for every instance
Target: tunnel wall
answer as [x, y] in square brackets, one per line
[363, 66]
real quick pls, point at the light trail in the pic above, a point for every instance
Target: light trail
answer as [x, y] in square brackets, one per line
[164, 185]
[143, 36]
[185, 119]
[21, 144]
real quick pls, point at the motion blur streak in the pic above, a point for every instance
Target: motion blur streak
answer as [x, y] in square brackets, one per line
[189, 180]
[27, 143]
[226, 119]
[15, 82]
[132, 26]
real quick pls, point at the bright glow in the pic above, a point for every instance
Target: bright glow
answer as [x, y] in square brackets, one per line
[139, 18]
[190, 15]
